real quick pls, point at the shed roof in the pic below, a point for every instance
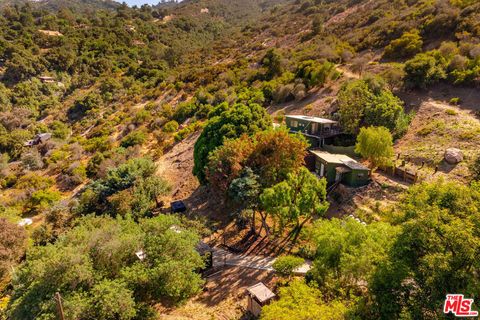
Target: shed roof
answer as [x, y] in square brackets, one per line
[331, 157]
[354, 165]
[52, 33]
[339, 159]
[261, 292]
[311, 119]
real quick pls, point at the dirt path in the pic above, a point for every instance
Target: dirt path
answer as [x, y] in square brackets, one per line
[223, 258]
[176, 166]
[347, 73]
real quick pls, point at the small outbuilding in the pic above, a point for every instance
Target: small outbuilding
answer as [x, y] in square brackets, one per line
[340, 168]
[39, 139]
[258, 296]
[46, 79]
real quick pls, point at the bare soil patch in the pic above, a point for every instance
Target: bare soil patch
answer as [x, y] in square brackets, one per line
[224, 296]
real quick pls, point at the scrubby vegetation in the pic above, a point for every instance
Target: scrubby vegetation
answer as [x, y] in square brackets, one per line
[108, 113]
[95, 266]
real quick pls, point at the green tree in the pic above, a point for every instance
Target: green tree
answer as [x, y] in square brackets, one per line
[376, 145]
[434, 254]
[272, 61]
[82, 107]
[346, 253]
[245, 191]
[367, 102]
[95, 268]
[59, 129]
[385, 110]
[170, 126]
[23, 65]
[317, 25]
[41, 200]
[230, 124]
[353, 98]
[302, 302]
[296, 200]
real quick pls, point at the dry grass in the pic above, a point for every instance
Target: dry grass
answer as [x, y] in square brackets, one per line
[436, 127]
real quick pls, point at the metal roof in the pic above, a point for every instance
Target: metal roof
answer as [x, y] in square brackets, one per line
[339, 159]
[261, 292]
[331, 157]
[311, 119]
[354, 165]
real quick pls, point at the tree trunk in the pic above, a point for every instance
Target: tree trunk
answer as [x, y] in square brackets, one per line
[252, 226]
[264, 223]
[299, 227]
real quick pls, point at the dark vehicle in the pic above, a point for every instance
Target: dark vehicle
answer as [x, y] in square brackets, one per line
[178, 206]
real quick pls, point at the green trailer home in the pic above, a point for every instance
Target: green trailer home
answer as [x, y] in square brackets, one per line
[315, 129]
[339, 168]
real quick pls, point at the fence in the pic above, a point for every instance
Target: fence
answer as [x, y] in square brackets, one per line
[403, 173]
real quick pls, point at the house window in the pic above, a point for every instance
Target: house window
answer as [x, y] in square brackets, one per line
[294, 123]
[361, 175]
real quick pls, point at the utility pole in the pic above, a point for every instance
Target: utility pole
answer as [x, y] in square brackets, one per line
[58, 300]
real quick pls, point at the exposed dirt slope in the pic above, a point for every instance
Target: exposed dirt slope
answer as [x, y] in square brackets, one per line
[437, 126]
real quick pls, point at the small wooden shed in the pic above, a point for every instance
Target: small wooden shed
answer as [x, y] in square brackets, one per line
[46, 79]
[258, 296]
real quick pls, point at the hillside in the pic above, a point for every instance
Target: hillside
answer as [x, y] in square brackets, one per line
[74, 5]
[109, 114]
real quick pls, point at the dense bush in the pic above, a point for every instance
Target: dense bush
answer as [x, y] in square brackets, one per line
[131, 189]
[96, 269]
[409, 44]
[286, 265]
[314, 73]
[368, 102]
[346, 254]
[433, 255]
[134, 138]
[425, 69]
